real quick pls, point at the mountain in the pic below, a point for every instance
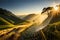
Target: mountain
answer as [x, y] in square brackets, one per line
[52, 31]
[21, 16]
[9, 19]
[30, 17]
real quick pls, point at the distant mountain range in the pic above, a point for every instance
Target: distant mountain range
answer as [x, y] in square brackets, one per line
[21, 16]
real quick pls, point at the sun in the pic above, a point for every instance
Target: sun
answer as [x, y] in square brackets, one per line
[55, 8]
[54, 5]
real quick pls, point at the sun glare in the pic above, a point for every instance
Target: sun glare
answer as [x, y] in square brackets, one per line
[54, 5]
[56, 8]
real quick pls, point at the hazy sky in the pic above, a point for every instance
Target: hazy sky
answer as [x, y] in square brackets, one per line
[26, 6]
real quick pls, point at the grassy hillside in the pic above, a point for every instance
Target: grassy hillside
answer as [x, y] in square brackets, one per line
[52, 31]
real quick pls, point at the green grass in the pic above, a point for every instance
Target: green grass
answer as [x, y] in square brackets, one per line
[52, 31]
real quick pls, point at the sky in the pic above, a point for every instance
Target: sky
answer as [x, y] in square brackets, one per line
[26, 6]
